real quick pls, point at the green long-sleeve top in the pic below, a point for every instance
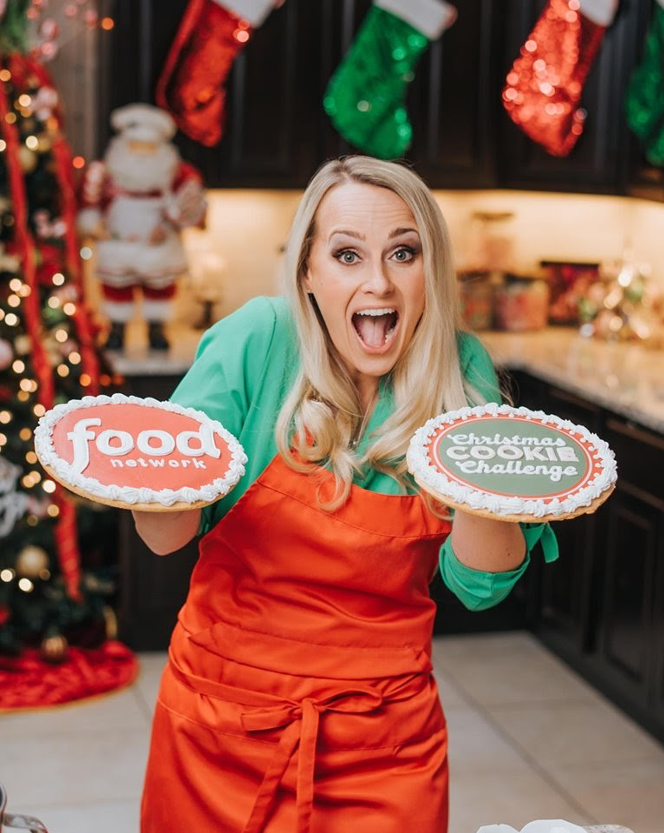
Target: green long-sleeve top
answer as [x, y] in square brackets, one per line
[244, 368]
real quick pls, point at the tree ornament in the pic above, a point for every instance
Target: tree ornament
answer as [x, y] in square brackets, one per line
[644, 106]
[365, 98]
[8, 262]
[21, 345]
[6, 354]
[44, 103]
[28, 159]
[110, 622]
[13, 504]
[31, 561]
[543, 89]
[211, 36]
[54, 648]
[49, 29]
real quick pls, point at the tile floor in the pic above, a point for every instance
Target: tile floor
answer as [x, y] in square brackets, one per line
[528, 739]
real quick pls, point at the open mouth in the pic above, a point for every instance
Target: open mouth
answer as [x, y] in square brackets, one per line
[375, 327]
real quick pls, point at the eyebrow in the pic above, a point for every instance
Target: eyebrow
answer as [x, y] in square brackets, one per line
[396, 233]
[348, 233]
[399, 231]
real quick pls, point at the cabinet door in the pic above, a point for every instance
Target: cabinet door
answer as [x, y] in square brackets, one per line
[152, 588]
[658, 629]
[633, 529]
[631, 548]
[644, 180]
[453, 101]
[270, 138]
[594, 164]
[566, 603]
[561, 606]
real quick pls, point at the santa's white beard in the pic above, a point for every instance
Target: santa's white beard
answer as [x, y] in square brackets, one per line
[141, 171]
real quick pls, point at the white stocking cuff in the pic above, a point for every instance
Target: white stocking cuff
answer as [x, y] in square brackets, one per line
[430, 17]
[254, 11]
[600, 12]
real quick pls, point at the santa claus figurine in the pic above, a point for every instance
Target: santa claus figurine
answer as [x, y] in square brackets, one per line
[135, 202]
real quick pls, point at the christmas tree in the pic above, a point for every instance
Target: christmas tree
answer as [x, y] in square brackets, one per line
[56, 559]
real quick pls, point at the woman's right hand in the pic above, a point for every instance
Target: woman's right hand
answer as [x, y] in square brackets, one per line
[165, 532]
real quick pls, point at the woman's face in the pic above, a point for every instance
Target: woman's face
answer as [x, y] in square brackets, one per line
[365, 271]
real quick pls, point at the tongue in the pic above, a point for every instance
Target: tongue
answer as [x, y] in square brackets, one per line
[372, 329]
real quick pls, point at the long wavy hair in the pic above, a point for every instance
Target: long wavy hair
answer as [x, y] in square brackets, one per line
[321, 418]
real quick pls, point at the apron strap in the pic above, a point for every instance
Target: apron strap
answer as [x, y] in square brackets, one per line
[301, 735]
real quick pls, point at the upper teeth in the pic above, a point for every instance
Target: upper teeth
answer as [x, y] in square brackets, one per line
[375, 312]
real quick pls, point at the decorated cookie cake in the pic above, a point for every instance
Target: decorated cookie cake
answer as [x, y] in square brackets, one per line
[139, 453]
[512, 463]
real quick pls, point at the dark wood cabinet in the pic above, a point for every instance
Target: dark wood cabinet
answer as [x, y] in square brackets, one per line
[454, 99]
[277, 132]
[270, 138]
[596, 163]
[566, 584]
[631, 548]
[152, 588]
[601, 605]
[640, 177]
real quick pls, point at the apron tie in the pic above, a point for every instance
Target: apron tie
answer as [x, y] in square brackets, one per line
[300, 722]
[301, 734]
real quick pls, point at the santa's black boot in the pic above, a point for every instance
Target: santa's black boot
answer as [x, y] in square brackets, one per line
[156, 336]
[115, 340]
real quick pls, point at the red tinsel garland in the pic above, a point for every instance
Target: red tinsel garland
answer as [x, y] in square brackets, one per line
[21, 67]
[25, 249]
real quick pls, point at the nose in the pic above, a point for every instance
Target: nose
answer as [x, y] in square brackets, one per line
[378, 280]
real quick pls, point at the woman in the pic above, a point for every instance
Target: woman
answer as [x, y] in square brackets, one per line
[299, 694]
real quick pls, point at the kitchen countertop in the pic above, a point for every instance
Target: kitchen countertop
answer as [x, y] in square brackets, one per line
[137, 360]
[624, 378]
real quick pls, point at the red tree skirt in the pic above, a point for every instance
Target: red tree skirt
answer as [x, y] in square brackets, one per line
[27, 682]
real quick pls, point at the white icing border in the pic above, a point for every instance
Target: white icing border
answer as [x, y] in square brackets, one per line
[419, 465]
[128, 494]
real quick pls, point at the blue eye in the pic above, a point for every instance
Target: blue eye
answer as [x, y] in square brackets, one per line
[346, 256]
[404, 254]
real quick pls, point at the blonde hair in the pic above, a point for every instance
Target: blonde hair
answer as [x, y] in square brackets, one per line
[322, 417]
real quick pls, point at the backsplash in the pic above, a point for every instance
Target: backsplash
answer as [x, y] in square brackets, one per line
[238, 256]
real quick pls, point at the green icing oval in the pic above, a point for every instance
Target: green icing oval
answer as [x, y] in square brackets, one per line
[511, 457]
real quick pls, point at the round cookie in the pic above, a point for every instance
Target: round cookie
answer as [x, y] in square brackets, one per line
[139, 453]
[512, 464]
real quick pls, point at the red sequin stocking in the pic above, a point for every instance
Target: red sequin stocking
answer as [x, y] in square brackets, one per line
[210, 38]
[544, 86]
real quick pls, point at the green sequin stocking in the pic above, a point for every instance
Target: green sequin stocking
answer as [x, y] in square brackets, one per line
[644, 106]
[365, 98]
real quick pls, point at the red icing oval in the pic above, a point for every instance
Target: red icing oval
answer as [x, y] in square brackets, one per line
[141, 468]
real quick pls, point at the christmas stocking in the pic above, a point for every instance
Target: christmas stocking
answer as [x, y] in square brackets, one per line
[644, 106]
[366, 95]
[544, 86]
[191, 86]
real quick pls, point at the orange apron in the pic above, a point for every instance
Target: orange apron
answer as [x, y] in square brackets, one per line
[298, 695]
